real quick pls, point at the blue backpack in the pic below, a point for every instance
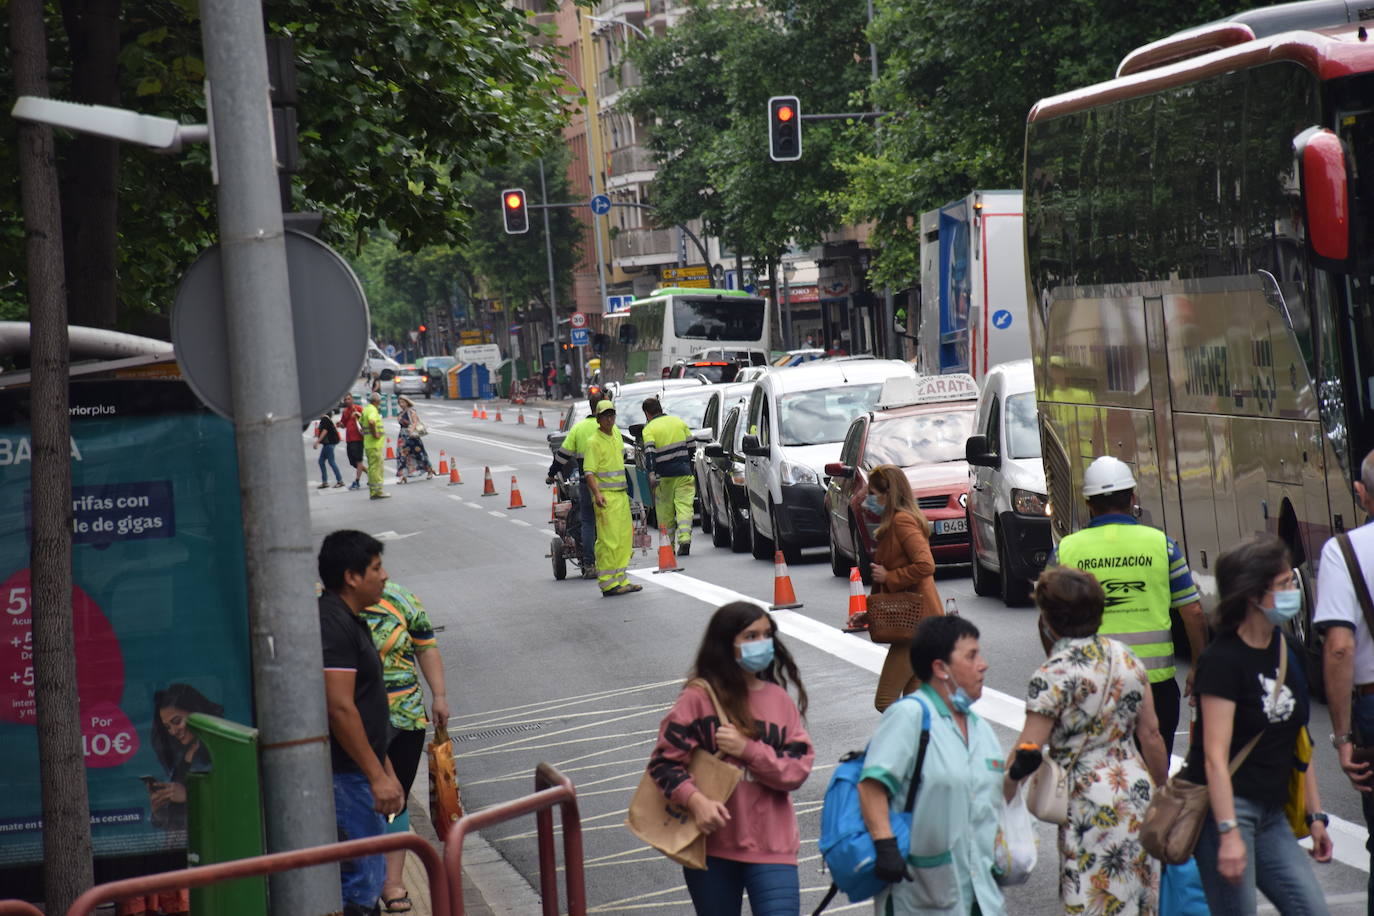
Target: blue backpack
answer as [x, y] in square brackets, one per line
[845, 843]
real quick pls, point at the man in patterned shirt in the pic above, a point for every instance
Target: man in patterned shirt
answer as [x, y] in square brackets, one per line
[405, 640]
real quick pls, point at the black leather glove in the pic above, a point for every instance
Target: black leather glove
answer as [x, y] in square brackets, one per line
[1026, 762]
[889, 867]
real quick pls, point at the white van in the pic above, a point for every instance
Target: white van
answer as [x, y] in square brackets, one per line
[1008, 509]
[797, 422]
[378, 363]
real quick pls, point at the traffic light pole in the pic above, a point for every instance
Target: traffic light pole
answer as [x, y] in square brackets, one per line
[548, 254]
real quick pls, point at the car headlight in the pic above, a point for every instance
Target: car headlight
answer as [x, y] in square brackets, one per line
[1029, 502]
[793, 474]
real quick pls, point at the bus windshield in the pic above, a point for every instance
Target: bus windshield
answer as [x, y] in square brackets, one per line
[822, 416]
[718, 319]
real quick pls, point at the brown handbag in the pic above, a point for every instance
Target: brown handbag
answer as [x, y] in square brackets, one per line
[670, 828]
[1174, 819]
[892, 616]
[445, 801]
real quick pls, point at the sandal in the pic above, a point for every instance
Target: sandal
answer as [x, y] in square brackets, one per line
[399, 904]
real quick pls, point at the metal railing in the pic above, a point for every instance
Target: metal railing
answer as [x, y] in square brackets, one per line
[630, 243]
[550, 788]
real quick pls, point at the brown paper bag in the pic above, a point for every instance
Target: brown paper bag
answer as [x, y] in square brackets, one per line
[445, 801]
[669, 828]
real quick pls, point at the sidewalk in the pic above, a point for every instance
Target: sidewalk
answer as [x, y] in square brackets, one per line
[416, 880]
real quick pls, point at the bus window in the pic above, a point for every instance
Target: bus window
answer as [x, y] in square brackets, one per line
[718, 319]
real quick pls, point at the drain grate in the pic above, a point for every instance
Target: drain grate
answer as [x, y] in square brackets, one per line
[499, 732]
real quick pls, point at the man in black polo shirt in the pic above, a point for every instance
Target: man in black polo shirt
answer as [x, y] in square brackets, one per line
[365, 787]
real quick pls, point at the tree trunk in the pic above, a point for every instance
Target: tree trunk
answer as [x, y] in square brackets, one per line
[90, 166]
[67, 867]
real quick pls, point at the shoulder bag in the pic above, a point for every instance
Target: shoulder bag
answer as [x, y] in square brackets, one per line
[1173, 821]
[670, 828]
[893, 616]
[1049, 787]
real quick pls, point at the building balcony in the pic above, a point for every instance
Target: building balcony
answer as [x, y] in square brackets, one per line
[632, 159]
[607, 85]
[633, 10]
[637, 247]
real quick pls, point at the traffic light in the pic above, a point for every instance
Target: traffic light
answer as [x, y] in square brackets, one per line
[784, 128]
[422, 329]
[513, 209]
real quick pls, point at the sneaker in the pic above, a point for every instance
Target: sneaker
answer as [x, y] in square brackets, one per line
[355, 486]
[381, 496]
[339, 484]
[684, 549]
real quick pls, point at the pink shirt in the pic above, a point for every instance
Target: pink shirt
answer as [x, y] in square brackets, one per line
[762, 826]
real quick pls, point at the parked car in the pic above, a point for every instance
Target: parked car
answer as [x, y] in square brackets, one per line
[723, 496]
[712, 371]
[796, 423]
[435, 372]
[409, 380]
[920, 425]
[720, 398]
[1008, 506]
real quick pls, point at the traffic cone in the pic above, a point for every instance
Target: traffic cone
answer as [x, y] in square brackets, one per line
[858, 600]
[783, 596]
[667, 560]
[483, 414]
[474, 410]
[498, 415]
[453, 474]
[520, 418]
[488, 487]
[540, 424]
[390, 452]
[560, 424]
[443, 462]
[516, 500]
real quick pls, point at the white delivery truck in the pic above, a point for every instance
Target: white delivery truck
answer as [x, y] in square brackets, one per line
[973, 285]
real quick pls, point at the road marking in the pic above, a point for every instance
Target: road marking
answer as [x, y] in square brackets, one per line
[558, 703]
[393, 536]
[522, 524]
[1348, 838]
[468, 437]
[496, 514]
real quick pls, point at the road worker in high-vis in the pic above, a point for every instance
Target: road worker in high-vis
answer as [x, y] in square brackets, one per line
[603, 464]
[668, 444]
[1144, 574]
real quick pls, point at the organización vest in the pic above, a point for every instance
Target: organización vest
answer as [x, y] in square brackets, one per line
[1132, 564]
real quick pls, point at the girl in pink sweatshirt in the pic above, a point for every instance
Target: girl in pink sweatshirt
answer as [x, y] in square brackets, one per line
[752, 839]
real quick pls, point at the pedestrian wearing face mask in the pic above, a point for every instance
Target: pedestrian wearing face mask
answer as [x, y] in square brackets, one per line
[901, 563]
[752, 839]
[1247, 841]
[948, 869]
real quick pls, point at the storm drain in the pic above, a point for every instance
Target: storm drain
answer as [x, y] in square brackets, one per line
[499, 732]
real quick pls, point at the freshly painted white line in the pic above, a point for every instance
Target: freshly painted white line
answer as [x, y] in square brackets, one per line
[1347, 837]
[497, 514]
[468, 437]
[454, 496]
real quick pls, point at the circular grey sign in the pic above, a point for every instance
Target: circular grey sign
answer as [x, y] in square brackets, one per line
[329, 315]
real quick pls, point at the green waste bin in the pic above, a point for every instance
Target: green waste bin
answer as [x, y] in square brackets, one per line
[224, 816]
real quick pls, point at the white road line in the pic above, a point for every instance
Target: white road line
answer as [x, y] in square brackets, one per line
[522, 524]
[468, 437]
[1347, 837]
[495, 514]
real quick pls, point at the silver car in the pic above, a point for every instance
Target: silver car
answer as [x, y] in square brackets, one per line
[409, 380]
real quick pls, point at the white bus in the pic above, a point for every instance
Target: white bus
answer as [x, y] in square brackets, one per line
[674, 323]
[1201, 287]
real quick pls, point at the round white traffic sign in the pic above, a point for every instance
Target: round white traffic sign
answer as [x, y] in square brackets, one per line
[578, 320]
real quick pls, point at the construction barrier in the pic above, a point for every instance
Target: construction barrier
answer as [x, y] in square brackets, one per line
[550, 788]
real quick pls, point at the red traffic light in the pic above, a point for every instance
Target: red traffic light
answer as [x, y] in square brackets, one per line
[785, 113]
[514, 200]
[514, 211]
[422, 329]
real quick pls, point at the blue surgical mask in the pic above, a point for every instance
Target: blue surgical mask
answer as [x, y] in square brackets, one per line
[960, 699]
[756, 656]
[1287, 603]
[871, 504]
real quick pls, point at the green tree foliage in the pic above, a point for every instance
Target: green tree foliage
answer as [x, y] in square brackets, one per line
[398, 102]
[704, 95]
[959, 78]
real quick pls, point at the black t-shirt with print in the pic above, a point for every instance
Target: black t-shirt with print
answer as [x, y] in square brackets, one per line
[1233, 670]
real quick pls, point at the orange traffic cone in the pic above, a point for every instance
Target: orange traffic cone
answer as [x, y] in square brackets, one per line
[498, 415]
[474, 410]
[540, 424]
[453, 474]
[483, 414]
[516, 500]
[443, 462]
[667, 560]
[783, 596]
[488, 487]
[858, 601]
[390, 452]
[560, 424]
[520, 418]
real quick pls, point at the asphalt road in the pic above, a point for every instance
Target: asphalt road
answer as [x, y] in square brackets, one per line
[541, 670]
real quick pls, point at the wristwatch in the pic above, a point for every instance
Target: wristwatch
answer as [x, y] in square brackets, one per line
[1226, 826]
[1338, 740]
[1319, 816]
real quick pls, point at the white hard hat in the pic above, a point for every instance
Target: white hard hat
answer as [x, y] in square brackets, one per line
[1107, 475]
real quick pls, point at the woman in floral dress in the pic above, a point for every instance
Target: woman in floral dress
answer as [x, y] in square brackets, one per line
[412, 459]
[1089, 701]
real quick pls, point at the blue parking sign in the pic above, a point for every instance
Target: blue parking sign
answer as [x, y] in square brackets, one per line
[581, 337]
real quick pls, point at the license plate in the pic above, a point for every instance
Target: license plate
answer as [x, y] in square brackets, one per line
[951, 526]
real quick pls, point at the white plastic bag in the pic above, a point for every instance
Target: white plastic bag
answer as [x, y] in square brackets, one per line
[1013, 855]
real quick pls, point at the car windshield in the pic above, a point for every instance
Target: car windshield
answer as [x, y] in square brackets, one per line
[823, 415]
[691, 407]
[927, 438]
[1023, 437]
